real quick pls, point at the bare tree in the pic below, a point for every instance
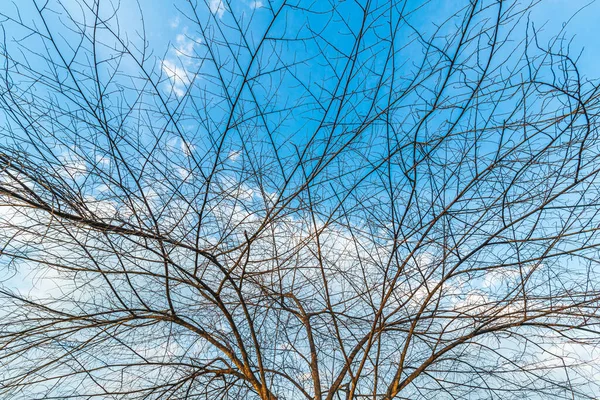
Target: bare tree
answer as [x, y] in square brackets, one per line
[325, 200]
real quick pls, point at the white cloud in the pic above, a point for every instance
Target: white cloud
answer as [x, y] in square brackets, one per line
[177, 75]
[177, 65]
[256, 4]
[494, 279]
[187, 147]
[101, 208]
[234, 155]
[185, 46]
[183, 173]
[73, 165]
[102, 160]
[102, 188]
[217, 7]
[176, 144]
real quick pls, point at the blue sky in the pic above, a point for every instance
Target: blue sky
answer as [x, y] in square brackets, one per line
[188, 116]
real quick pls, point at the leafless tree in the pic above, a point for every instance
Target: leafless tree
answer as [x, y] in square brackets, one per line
[296, 199]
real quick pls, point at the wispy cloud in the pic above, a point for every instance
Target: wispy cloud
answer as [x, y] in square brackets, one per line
[177, 75]
[234, 155]
[176, 66]
[185, 46]
[217, 8]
